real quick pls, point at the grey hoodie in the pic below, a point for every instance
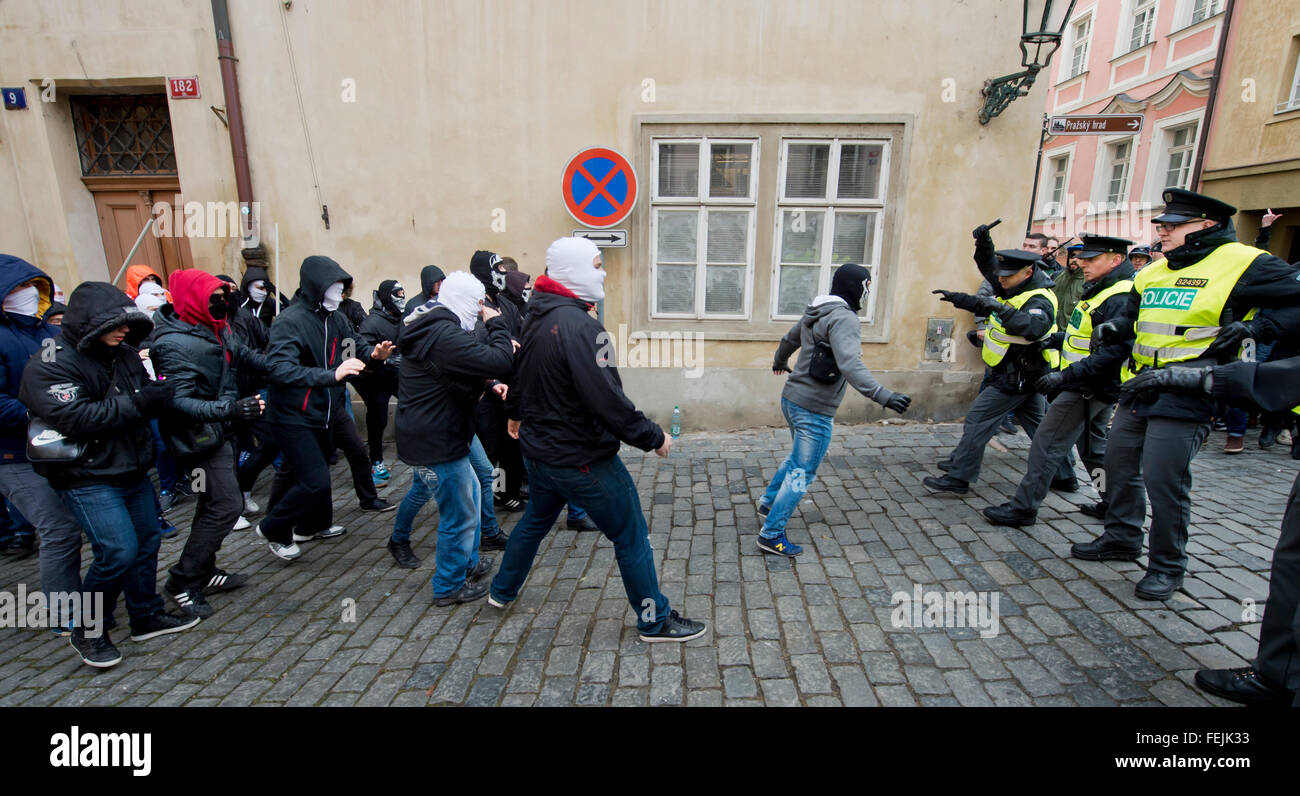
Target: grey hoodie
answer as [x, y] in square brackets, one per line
[828, 320]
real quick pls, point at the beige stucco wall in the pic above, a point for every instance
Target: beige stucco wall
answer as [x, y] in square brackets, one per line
[464, 107]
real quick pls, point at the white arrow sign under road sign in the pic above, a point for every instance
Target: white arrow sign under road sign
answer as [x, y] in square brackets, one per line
[1098, 124]
[604, 238]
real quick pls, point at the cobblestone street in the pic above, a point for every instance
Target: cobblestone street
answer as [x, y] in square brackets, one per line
[344, 626]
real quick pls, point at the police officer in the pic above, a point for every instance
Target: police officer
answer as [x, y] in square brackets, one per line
[1021, 317]
[1274, 676]
[1196, 307]
[1085, 388]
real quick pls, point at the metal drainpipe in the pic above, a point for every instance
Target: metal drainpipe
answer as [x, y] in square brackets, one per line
[234, 114]
[1214, 94]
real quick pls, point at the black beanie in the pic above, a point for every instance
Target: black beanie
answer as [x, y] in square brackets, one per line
[849, 283]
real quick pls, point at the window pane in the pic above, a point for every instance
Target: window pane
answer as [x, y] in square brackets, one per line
[860, 171]
[801, 236]
[729, 170]
[679, 169]
[675, 288]
[805, 170]
[727, 237]
[854, 236]
[797, 289]
[724, 289]
[677, 235]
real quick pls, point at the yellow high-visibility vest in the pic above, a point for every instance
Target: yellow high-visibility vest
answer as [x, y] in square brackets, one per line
[1178, 319]
[997, 341]
[1078, 333]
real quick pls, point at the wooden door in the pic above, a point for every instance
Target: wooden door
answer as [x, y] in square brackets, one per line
[123, 213]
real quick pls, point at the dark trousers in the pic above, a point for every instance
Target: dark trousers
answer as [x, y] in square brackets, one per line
[376, 392]
[1156, 452]
[260, 456]
[982, 421]
[1279, 632]
[348, 440]
[300, 491]
[502, 449]
[608, 493]
[218, 509]
[1071, 419]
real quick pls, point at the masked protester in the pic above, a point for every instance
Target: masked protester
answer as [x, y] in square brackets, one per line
[308, 363]
[829, 339]
[27, 293]
[259, 294]
[489, 415]
[376, 390]
[443, 373]
[54, 313]
[351, 308]
[140, 275]
[195, 351]
[94, 391]
[568, 409]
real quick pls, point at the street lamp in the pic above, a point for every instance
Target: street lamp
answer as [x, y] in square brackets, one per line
[1044, 37]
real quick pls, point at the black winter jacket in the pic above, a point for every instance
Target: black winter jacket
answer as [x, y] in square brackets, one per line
[1098, 373]
[85, 390]
[567, 392]
[20, 337]
[307, 344]
[202, 369]
[264, 312]
[382, 324]
[1023, 364]
[441, 378]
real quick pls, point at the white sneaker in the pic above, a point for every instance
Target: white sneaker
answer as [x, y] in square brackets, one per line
[328, 533]
[250, 505]
[287, 552]
[1284, 437]
[242, 524]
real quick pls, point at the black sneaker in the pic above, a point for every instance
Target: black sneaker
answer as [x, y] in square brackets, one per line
[402, 554]
[484, 567]
[676, 628]
[222, 580]
[160, 624]
[98, 652]
[497, 542]
[584, 524]
[20, 546]
[378, 505]
[190, 602]
[467, 593]
[1095, 510]
[947, 483]
[1268, 438]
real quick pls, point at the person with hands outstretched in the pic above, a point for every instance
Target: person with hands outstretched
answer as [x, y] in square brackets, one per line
[829, 340]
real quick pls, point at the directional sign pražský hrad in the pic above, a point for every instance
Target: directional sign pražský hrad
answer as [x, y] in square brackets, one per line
[599, 187]
[1098, 124]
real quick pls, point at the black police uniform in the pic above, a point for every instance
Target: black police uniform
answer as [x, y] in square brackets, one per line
[1080, 413]
[1153, 440]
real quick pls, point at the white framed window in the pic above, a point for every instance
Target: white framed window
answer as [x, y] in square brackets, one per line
[1057, 184]
[1204, 9]
[1180, 148]
[702, 227]
[1116, 169]
[1142, 29]
[830, 211]
[1292, 102]
[1080, 36]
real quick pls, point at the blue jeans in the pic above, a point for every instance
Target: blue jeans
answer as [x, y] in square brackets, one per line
[456, 486]
[122, 525]
[812, 436]
[1236, 420]
[420, 493]
[607, 491]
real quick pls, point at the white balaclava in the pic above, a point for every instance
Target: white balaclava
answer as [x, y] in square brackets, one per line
[257, 291]
[333, 297]
[151, 297]
[461, 293]
[23, 301]
[568, 262]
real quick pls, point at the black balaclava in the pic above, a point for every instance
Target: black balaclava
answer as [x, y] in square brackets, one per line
[483, 265]
[849, 282]
[385, 298]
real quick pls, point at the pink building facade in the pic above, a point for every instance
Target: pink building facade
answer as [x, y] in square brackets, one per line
[1149, 57]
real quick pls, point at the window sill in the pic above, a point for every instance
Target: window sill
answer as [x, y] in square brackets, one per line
[1193, 27]
[1062, 85]
[1291, 114]
[1128, 53]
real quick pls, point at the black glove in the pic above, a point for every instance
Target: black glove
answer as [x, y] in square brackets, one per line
[1105, 332]
[1168, 379]
[982, 231]
[1051, 383]
[783, 368]
[963, 301]
[973, 336]
[249, 408]
[898, 402]
[1229, 340]
[151, 399]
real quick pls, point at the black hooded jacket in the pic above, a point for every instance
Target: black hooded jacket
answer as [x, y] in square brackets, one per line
[84, 390]
[430, 276]
[442, 376]
[307, 344]
[264, 312]
[382, 324]
[1268, 282]
[566, 390]
[203, 370]
[1023, 364]
[1098, 373]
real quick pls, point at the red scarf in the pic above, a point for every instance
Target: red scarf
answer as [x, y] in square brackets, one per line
[546, 284]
